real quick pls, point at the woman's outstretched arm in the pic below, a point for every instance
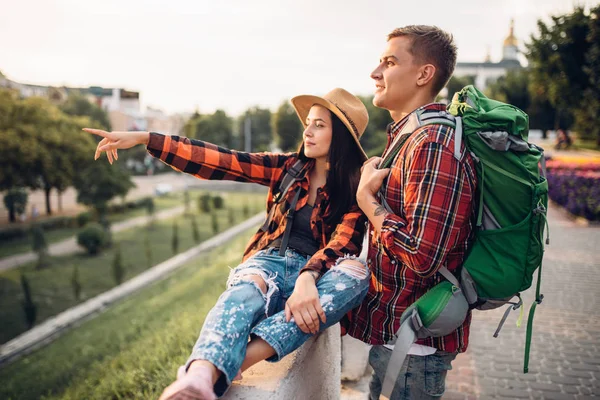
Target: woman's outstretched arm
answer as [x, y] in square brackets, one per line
[196, 157]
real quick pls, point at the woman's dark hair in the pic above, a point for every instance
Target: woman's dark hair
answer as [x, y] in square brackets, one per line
[345, 161]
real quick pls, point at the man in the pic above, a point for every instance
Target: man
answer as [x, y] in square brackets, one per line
[430, 194]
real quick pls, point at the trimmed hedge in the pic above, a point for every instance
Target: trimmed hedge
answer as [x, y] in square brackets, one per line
[78, 221]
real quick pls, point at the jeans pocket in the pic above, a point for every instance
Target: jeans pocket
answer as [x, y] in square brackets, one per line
[435, 371]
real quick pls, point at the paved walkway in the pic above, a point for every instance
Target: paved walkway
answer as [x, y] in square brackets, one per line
[69, 246]
[565, 351]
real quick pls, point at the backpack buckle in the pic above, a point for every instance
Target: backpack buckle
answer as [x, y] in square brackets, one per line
[539, 300]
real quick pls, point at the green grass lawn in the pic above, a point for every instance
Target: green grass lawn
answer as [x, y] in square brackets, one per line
[52, 288]
[23, 245]
[131, 351]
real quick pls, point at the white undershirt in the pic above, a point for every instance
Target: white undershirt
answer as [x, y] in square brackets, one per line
[416, 349]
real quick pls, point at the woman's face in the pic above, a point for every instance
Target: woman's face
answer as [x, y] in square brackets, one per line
[317, 135]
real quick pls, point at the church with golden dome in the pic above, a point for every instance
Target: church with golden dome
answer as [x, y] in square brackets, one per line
[487, 72]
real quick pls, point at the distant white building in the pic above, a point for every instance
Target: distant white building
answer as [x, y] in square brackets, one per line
[121, 105]
[487, 72]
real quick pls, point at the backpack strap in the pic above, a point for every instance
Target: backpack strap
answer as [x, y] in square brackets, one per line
[404, 338]
[289, 223]
[289, 178]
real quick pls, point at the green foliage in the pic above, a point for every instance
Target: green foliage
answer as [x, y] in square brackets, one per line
[231, 216]
[246, 209]
[118, 270]
[29, 307]
[260, 128]
[186, 201]
[512, 89]
[586, 115]
[175, 239]
[195, 231]
[204, 203]
[15, 201]
[214, 221]
[148, 250]
[40, 147]
[93, 238]
[52, 286]
[108, 356]
[101, 182]
[216, 128]
[40, 246]
[76, 283]
[218, 202]
[374, 139]
[456, 83]
[84, 218]
[77, 105]
[564, 67]
[287, 127]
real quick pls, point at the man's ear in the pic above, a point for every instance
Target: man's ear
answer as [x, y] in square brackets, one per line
[426, 74]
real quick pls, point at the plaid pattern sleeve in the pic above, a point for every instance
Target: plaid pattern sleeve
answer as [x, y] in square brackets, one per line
[436, 207]
[431, 195]
[208, 161]
[345, 240]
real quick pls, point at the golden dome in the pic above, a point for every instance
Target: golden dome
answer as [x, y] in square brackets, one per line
[511, 40]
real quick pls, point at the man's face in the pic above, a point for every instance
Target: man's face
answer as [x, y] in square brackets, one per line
[396, 75]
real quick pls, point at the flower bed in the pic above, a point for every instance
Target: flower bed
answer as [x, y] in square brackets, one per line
[574, 183]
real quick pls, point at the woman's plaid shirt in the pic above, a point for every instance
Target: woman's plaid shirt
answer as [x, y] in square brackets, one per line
[431, 194]
[208, 161]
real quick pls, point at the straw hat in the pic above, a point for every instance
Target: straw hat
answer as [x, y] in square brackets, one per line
[347, 107]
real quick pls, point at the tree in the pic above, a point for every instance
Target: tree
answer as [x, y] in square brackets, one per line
[101, 182]
[40, 246]
[513, 88]
[456, 83]
[77, 105]
[586, 115]
[20, 148]
[15, 201]
[118, 269]
[175, 238]
[287, 127]
[374, 139]
[195, 231]
[75, 283]
[260, 127]
[216, 128]
[40, 147]
[29, 307]
[148, 249]
[558, 61]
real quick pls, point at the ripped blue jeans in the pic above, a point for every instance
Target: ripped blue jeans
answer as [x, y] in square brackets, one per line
[244, 309]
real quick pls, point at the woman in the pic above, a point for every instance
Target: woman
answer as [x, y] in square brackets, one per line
[292, 282]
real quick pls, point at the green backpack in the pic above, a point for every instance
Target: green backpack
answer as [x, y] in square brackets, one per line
[507, 244]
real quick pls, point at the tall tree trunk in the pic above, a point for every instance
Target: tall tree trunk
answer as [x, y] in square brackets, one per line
[48, 207]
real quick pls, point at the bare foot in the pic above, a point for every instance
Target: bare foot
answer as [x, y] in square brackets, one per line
[196, 384]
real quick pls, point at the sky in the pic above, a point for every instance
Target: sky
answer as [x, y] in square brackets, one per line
[234, 54]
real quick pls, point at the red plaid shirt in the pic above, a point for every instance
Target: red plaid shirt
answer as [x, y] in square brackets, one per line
[431, 194]
[208, 161]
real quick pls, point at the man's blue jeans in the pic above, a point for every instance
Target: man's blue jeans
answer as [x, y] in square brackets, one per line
[421, 377]
[244, 309]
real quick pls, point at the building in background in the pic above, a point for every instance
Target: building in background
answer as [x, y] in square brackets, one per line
[121, 105]
[487, 72]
